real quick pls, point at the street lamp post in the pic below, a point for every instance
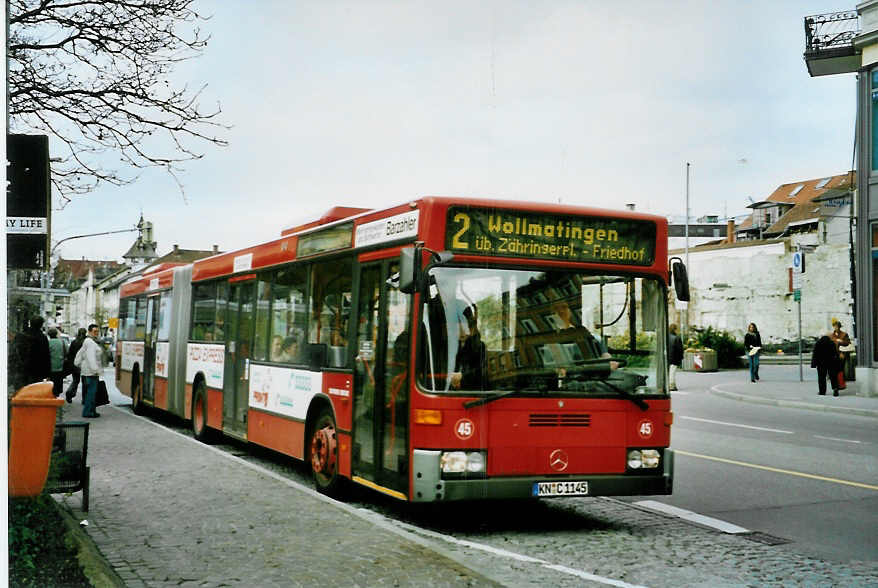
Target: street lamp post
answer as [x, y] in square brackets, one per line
[686, 311]
[44, 276]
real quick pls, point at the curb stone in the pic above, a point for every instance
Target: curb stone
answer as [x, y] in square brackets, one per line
[793, 403]
[95, 567]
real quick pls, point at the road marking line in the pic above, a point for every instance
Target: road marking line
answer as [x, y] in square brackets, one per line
[737, 425]
[777, 470]
[688, 515]
[516, 556]
[837, 439]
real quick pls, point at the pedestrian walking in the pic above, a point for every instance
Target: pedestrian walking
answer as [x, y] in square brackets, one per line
[842, 341]
[675, 356]
[753, 345]
[29, 357]
[57, 352]
[89, 360]
[825, 359]
[71, 367]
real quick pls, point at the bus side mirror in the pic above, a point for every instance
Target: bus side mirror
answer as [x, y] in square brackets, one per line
[680, 279]
[407, 270]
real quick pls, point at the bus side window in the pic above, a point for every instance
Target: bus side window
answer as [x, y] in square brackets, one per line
[331, 286]
[203, 305]
[288, 315]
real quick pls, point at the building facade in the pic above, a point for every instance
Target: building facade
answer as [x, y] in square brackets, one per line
[845, 43]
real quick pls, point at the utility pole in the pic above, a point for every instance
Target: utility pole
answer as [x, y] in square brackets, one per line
[686, 312]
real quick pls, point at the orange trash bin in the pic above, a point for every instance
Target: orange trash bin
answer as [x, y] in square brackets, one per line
[31, 429]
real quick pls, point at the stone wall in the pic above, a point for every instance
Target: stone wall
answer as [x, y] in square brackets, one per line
[739, 283]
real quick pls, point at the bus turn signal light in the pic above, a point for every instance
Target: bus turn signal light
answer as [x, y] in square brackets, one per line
[428, 417]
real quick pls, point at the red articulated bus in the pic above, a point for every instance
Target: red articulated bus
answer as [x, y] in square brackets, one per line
[442, 349]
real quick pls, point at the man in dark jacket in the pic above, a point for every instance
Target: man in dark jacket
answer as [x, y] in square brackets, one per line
[29, 357]
[825, 359]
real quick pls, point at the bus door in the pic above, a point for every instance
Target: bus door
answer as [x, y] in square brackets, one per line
[149, 345]
[239, 343]
[380, 427]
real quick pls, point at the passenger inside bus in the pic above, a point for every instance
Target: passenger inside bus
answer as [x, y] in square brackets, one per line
[290, 349]
[470, 366]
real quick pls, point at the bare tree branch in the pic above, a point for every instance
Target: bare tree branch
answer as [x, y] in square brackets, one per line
[94, 74]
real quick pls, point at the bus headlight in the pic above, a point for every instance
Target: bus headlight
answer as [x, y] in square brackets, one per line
[643, 458]
[462, 463]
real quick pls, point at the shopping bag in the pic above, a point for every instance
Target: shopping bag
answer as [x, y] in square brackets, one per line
[841, 383]
[101, 396]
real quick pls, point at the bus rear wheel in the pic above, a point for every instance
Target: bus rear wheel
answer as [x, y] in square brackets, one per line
[323, 453]
[199, 414]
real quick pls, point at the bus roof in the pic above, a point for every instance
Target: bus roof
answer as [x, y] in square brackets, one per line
[343, 228]
[160, 277]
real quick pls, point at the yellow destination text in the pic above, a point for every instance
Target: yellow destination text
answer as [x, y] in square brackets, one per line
[560, 229]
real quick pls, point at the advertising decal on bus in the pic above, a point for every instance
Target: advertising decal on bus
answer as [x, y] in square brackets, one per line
[515, 233]
[207, 358]
[132, 352]
[283, 391]
[400, 226]
[161, 358]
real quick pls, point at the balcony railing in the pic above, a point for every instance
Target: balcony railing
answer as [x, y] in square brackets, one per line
[826, 31]
[829, 43]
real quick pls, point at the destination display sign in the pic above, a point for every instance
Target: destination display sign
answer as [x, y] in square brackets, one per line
[514, 233]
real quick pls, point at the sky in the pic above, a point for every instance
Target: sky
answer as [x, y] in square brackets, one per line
[372, 103]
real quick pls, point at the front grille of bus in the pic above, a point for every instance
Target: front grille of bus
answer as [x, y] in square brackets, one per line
[560, 420]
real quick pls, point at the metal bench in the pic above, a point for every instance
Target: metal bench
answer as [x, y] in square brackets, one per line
[68, 467]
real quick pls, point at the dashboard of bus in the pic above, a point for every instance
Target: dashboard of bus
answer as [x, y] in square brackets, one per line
[498, 331]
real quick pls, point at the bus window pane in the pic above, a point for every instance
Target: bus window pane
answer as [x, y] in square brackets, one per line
[127, 317]
[164, 316]
[222, 301]
[331, 308]
[397, 362]
[203, 311]
[140, 320]
[485, 329]
[263, 299]
[288, 315]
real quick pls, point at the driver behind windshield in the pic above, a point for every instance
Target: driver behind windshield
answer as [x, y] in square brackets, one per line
[471, 359]
[594, 346]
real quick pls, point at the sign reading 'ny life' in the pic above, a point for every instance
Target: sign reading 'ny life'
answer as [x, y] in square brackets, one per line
[28, 195]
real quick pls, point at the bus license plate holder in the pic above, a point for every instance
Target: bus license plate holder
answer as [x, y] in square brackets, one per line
[560, 488]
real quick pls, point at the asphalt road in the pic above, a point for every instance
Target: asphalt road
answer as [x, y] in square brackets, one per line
[799, 476]
[604, 541]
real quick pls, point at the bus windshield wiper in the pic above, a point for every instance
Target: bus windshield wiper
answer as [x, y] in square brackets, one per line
[497, 396]
[622, 392]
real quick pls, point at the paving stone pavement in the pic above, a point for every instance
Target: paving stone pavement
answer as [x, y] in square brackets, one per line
[166, 510]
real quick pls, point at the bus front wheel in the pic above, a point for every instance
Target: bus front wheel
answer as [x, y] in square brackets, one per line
[323, 453]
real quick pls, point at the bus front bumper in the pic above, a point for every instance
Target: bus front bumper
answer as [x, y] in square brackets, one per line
[430, 487]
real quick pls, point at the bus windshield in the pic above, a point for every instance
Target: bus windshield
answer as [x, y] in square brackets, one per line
[536, 332]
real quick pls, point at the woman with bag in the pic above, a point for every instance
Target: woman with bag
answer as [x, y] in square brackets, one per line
[69, 366]
[841, 339]
[752, 344]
